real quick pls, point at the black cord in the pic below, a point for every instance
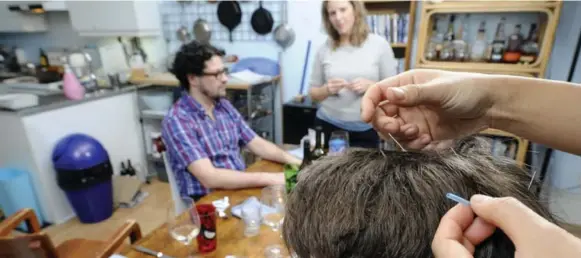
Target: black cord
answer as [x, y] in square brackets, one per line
[549, 151]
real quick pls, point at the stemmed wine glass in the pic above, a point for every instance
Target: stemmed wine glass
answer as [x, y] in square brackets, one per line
[183, 226]
[273, 199]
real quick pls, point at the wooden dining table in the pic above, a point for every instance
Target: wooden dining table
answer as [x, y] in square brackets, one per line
[230, 231]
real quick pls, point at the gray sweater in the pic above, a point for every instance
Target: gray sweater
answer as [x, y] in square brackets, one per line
[373, 60]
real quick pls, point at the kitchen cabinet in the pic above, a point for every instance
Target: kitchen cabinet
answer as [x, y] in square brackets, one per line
[28, 137]
[115, 18]
[15, 21]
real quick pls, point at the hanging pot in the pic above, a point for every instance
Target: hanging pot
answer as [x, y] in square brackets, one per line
[202, 31]
[284, 35]
[229, 15]
[261, 20]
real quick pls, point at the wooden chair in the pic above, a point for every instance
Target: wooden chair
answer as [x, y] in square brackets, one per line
[37, 244]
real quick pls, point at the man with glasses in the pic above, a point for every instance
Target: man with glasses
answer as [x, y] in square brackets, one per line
[204, 133]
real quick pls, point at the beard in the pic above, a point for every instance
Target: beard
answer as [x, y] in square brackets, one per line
[214, 96]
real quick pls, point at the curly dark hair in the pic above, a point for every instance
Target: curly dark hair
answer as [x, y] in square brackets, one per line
[191, 59]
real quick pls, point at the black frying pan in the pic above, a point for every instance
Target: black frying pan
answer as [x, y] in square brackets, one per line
[229, 15]
[262, 20]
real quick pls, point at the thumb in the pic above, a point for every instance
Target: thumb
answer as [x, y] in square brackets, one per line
[416, 94]
[515, 219]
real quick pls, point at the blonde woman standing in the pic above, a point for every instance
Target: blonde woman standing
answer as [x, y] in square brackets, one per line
[350, 61]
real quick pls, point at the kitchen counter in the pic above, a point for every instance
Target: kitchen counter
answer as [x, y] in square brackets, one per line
[168, 79]
[58, 100]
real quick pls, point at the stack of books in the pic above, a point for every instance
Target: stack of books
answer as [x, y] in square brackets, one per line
[391, 26]
[400, 65]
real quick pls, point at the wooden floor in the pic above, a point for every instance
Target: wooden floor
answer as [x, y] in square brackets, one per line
[151, 213]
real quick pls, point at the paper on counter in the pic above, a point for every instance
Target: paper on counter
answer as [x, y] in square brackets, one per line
[250, 77]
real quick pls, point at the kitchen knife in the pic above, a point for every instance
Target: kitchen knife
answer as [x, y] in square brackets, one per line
[151, 252]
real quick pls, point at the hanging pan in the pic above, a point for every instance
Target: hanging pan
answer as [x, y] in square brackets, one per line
[229, 15]
[284, 35]
[261, 20]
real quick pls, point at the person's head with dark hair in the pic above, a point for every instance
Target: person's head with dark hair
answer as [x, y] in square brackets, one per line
[368, 203]
[199, 67]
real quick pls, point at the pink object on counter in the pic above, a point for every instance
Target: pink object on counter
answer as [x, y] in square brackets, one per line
[71, 85]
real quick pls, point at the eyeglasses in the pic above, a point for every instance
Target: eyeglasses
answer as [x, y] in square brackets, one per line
[218, 73]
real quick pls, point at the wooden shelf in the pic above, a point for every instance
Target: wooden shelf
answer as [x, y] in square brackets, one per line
[491, 6]
[479, 67]
[523, 144]
[550, 9]
[383, 7]
[399, 45]
[551, 12]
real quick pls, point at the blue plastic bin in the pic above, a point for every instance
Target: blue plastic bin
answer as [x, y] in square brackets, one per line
[16, 193]
[84, 173]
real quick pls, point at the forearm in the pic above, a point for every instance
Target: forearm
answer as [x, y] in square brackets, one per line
[543, 111]
[231, 179]
[270, 151]
[319, 93]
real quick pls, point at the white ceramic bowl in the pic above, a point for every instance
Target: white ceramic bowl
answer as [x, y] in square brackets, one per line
[160, 101]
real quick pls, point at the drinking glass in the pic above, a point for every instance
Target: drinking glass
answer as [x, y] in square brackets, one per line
[184, 227]
[251, 217]
[273, 199]
[338, 142]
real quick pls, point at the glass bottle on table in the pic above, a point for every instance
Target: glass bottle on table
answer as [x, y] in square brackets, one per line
[306, 155]
[513, 50]
[530, 49]
[447, 53]
[498, 44]
[480, 45]
[318, 152]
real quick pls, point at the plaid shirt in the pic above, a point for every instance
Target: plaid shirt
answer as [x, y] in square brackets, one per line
[189, 135]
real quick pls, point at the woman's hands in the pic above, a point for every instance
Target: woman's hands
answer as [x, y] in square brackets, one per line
[360, 85]
[420, 108]
[335, 85]
[460, 232]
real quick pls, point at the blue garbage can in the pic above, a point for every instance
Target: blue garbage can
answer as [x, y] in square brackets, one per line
[16, 193]
[84, 173]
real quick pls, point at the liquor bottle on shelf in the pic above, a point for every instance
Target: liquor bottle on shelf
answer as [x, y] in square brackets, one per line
[513, 50]
[498, 43]
[530, 49]
[435, 44]
[480, 45]
[318, 152]
[447, 53]
[460, 46]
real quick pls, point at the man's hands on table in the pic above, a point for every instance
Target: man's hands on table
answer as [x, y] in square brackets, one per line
[268, 150]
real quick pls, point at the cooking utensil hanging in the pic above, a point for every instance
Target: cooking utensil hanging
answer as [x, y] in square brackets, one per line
[202, 31]
[182, 33]
[261, 20]
[229, 15]
[284, 35]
